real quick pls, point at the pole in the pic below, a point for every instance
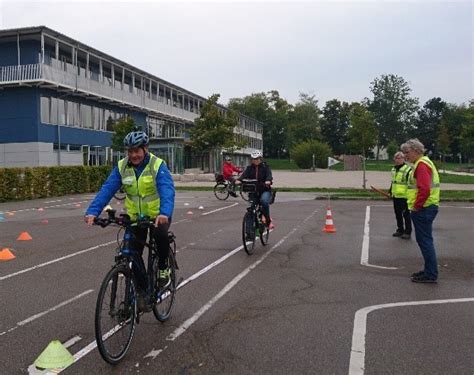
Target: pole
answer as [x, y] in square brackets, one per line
[314, 167]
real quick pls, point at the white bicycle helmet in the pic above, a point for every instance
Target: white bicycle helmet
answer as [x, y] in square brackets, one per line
[135, 139]
[256, 154]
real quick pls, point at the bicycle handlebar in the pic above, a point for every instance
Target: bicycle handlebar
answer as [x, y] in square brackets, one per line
[123, 220]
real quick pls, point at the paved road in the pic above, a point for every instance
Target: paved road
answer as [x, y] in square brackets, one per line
[299, 305]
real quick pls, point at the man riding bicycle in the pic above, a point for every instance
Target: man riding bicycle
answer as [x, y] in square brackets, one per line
[260, 171]
[149, 189]
[228, 172]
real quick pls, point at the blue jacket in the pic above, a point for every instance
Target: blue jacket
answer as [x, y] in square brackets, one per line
[164, 186]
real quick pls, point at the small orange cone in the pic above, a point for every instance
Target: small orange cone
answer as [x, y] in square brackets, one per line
[41, 209]
[44, 221]
[77, 205]
[10, 213]
[6, 254]
[24, 236]
[329, 226]
[190, 212]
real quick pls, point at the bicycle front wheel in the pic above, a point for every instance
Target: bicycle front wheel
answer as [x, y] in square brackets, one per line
[220, 191]
[120, 195]
[165, 296]
[245, 196]
[248, 232]
[264, 234]
[115, 313]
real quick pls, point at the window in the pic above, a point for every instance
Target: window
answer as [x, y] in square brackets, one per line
[54, 111]
[86, 116]
[70, 113]
[61, 112]
[45, 110]
[75, 148]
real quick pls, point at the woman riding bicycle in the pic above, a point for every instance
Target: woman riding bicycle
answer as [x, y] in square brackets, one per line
[149, 186]
[260, 171]
[229, 171]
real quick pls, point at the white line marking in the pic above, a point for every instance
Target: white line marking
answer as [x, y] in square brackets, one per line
[39, 315]
[219, 209]
[56, 260]
[72, 341]
[357, 361]
[364, 257]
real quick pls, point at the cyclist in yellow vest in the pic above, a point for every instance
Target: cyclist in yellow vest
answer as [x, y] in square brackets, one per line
[423, 202]
[398, 191]
[149, 189]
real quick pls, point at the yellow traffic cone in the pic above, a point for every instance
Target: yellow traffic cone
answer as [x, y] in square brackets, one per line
[54, 356]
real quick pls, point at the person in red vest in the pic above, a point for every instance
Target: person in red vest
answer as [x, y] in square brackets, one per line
[229, 171]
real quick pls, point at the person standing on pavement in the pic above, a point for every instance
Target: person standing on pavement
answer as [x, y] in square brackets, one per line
[398, 191]
[423, 203]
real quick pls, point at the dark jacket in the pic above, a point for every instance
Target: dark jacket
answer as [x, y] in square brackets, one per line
[261, 173]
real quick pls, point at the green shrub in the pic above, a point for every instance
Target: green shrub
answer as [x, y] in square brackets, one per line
[303, 152]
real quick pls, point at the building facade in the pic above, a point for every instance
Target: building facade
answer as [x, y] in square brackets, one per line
[60, 100]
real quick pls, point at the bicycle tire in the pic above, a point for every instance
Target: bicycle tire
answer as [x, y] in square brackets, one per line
[245, 196]
[120, 195]
[121, 313]
[220, 191]
[165, 298]
[264, 234]
[248, 232]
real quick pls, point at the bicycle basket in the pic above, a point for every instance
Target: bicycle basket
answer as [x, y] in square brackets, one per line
[249, 186]
[219, 177]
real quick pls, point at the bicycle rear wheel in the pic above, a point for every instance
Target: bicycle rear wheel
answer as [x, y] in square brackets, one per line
[264, 234]
[115, 313]
[245, 196]
[165, 297]
[248, 232]
[220, 191]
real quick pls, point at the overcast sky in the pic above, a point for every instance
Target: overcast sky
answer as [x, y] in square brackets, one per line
[332, 49]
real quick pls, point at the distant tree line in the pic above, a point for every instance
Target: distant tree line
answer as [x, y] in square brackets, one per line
[387, 119]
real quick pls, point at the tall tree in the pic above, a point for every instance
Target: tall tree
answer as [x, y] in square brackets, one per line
[429, 118]
[393, 108]
[304, 121]
[467, 137]
[443, 140]
[362, 132]
[335, 125]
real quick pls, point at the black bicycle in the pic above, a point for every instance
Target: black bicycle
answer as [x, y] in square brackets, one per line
[223, 188]
[252, 225]
[116, 309]
[120, 195]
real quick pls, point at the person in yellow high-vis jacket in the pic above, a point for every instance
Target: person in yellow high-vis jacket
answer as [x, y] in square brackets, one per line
[423, 202]
[398, 191]
[149, 189]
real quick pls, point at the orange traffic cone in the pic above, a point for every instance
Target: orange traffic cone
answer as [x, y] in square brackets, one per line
[329, 226]
[24, 236]
[6, 254]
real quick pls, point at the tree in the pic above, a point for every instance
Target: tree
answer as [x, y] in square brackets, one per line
[362, 132]
[335, 124]
[392, 149]
[429, 118]
[466, 137]
[303, 121]
[303, 152]
[213, 130]
[393, 109]
[121, 129]
[443, 140]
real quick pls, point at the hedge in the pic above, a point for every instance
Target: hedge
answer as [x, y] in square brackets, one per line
[42, 182]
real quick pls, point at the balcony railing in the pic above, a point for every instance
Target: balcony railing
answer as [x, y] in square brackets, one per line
[70, 79]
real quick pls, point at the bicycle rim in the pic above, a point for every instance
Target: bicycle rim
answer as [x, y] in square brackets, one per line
[115, 313]
[221, 192]
[165, 298]
[245, 196]
[248, 233]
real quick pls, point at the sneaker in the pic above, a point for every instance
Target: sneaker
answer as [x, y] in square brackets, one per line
[419, 273]
[271, 225]
[164, 278]
[406, 236]
[397, 234]
[423, 279]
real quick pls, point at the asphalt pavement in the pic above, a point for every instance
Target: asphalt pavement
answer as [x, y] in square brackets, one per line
[309, 302]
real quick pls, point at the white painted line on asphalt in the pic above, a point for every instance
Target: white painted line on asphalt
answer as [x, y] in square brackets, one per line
[56, 260]
[219, 209]
[56, 205]
[357, 360]
[39, 315]
[47, 202]
[72, 341]
[364, 257]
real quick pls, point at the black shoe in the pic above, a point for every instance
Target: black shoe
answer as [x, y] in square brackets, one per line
[397, 234]
[419, 273]
[423, 279]
[406, 236]
[233, 194]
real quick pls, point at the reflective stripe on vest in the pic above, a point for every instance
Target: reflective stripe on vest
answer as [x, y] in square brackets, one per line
[400, 181]
[142, 197]
[433, 198]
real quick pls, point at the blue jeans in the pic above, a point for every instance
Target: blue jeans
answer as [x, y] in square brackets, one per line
[423, 223]
[265, 199]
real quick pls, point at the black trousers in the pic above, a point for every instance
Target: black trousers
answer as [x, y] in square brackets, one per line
[137, 243]
[402, 214]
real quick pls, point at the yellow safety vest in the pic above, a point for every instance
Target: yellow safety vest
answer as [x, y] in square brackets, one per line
[400, 181]
[433, 198]
[142, 196]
